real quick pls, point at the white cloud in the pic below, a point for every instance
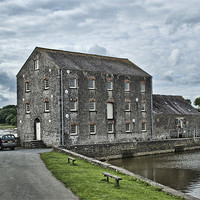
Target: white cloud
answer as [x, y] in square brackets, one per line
[174, 57]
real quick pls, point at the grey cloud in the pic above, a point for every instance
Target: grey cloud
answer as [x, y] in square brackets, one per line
[3, 99]
[98, 50]
[7, 82]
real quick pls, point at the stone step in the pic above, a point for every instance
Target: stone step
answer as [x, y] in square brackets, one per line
[36, 144]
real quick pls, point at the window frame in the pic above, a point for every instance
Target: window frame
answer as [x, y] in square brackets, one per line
[46, 83]
[129, 127]
[74, 81]
[46, 106]
[91, 80]
[143, 106]
[93, 125]
[36, 64]
[27, 108]
[92, 108]
[27, 86]
[75, 105]
[76, 129]
[129, 106]
[111, 85]
[127, 86]
[110, 107]
[142, 87]
[144, 125]
[112, 127]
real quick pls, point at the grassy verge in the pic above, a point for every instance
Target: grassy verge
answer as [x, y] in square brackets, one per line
[5, 126]
[87, 182]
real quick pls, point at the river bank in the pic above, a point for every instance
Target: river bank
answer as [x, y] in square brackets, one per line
[126, 172]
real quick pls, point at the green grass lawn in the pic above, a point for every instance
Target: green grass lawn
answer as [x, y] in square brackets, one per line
[5, 126]
[87, 182]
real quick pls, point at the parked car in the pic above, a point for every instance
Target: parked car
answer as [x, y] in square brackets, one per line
[8, 141]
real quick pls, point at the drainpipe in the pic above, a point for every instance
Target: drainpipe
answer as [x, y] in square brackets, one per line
[62, 108]
[152, 129]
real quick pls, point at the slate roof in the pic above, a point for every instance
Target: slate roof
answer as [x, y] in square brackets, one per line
[164, 104]
[91, 62]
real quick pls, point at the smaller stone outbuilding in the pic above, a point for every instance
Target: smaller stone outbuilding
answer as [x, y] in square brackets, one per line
[173, 117]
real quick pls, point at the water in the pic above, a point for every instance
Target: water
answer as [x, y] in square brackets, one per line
[180, 171]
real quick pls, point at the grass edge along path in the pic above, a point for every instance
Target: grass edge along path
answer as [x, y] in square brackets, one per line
[87, 182]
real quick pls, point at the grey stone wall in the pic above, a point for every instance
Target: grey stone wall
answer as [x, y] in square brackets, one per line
[50, 122]
[130, 149]
[83, 117]
[165, 126]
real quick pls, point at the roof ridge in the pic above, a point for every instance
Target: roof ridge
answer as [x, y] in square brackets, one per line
[83, 54]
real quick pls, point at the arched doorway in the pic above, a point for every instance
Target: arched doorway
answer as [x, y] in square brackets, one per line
[37, 127]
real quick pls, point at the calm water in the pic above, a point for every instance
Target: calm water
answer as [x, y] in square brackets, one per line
[180, 171]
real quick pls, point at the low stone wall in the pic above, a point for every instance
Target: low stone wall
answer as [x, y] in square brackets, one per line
[130, 149]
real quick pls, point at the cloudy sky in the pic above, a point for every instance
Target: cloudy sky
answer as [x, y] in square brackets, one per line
[160, 36]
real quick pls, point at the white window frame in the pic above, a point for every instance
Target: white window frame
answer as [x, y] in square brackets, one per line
[46, 84]
[142, 87]
[91, 84]
[93, 129]
[110, 110]
[75, 132]
[109, 85]
[126, 86]
[46, 106]
[92, 106]
[127, 106]
[74, 108]
[27, 108]
[143, 106]
[27, 86]
[36, 64]
[144, 126]
[129, 127]
[74, 83]
[112, 128]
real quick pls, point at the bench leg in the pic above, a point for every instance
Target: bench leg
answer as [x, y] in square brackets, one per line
[68, 160]
[117, 182]
[107, 179]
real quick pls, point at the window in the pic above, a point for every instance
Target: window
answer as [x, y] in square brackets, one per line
[144, 128]
[27, 107]
[27, 86]
[91, 83]
[126, 85]
[46, 83]
[143, 106]
[92, 105]
[46, 105]
[109, 85]
[142, 87]
[92, 128]
[128, 129]
[72, 82]
[110, 128]
[73, 105]
[109, 110]
[74, 129]
[127, 106]
[36, 64]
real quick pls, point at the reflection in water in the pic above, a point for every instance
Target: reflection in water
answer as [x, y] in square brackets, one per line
[180, 171]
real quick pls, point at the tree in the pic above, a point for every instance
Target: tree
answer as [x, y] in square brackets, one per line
[189, 101]
[8, 115]
[197, 103]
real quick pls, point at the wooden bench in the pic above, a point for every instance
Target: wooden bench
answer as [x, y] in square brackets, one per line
[72, 159]
[112, 176]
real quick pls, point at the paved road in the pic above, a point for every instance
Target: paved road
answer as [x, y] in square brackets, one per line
[23, 176]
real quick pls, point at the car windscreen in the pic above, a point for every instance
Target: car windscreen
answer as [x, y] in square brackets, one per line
[6, 137]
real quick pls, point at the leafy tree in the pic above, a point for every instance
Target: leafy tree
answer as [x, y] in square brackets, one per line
[189, 101]
[8, 115]
[197, 103]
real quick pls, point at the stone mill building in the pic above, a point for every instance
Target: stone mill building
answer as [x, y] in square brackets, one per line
[81, 100]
